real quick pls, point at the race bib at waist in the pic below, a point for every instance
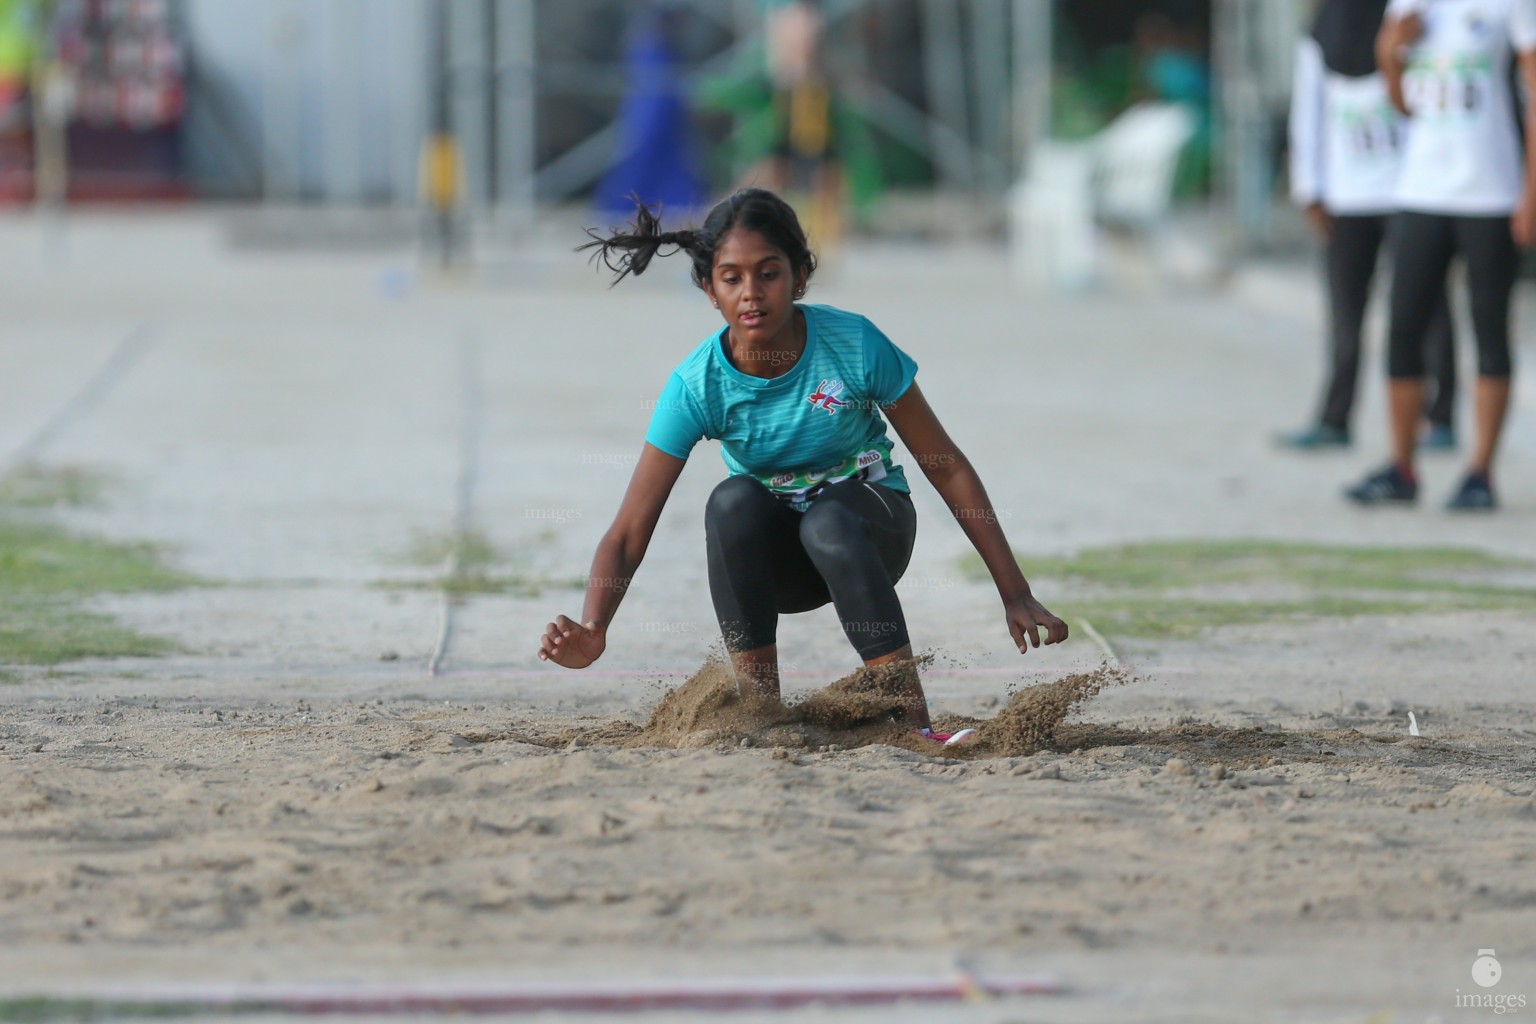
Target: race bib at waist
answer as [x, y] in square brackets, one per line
[800, 487]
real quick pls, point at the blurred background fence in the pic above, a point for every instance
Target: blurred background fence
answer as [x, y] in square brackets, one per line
[490, 110]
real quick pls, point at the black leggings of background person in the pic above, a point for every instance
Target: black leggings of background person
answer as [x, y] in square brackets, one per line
[1424, 244]
[1353, 247]
[850, 547]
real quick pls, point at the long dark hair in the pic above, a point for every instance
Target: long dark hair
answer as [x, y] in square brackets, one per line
[756, 209]
[1346, 30]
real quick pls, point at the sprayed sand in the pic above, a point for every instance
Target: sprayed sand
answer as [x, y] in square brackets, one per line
[865, 707]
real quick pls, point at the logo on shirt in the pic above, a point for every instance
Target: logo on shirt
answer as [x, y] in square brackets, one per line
[825, 396]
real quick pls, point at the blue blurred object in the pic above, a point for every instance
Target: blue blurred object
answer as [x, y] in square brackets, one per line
[656, 156]
[394, 282]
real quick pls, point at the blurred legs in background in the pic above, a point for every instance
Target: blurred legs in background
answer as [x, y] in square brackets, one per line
[1354, 243]
[1425, 245]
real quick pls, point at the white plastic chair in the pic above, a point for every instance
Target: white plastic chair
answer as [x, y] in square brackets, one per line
[1121, 178]
[1051, 230]
[1136, 156]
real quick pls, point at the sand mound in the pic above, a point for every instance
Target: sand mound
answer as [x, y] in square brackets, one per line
[707, 709]
[872, 695]
[864, 707]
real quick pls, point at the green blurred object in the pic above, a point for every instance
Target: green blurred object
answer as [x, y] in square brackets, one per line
[1075, 114]
[16, 34]
[1093, 87]
[744, 94]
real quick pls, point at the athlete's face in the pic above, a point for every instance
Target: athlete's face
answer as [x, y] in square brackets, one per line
[755, 287]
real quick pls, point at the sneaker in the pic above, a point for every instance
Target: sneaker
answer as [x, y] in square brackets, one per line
[1474, 495]
[949, 739]
[1439, 437]
[1390, 486]
[1314, 438]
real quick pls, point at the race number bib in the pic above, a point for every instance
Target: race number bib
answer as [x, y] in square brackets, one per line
[1455, 87]
[1370, 134]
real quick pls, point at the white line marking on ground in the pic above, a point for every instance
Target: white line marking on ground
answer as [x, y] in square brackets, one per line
[116, 366]
[1098, 638]
[470, 401]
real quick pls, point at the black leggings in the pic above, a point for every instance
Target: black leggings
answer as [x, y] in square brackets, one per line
[850, 547]
[1353, 247]
[1424, 245]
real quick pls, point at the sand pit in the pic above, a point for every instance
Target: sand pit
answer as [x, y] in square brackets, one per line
[492, 833]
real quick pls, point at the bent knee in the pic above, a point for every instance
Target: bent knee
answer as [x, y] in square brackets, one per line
[827, 528]
[738, 496]
[740, 513]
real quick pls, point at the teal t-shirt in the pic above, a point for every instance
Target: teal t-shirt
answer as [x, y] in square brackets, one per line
[816, 424]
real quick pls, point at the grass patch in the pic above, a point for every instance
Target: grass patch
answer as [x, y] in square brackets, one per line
[469, 563]
[45, 1010]
[46, 575]
[41, 559]
[472, 549]
[1178, 588]
[32, 486]
[51, 632]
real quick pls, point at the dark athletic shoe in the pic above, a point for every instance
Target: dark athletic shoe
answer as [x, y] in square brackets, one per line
[1474, 495]
[1314, 438]
[1440, 437]
[1387, 487]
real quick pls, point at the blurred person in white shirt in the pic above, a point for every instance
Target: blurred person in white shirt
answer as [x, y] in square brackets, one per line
[1345, 154]
[1467, 189]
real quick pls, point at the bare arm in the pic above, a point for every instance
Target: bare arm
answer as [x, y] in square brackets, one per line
[953, 476]
[1392, 43]
[1523, 224]
[1304, 126]
[619, 553]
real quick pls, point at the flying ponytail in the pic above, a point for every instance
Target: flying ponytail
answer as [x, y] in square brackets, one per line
[631, 251]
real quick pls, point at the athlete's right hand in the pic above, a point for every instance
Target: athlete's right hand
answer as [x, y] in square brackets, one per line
[571, 644]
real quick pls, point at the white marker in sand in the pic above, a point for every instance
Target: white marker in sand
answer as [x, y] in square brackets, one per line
[1413, 725]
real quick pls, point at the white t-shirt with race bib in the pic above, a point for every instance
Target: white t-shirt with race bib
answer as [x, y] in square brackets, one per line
[1464, 152]
[1346, 138]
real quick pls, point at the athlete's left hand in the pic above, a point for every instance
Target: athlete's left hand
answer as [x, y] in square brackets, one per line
[1027, 617]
